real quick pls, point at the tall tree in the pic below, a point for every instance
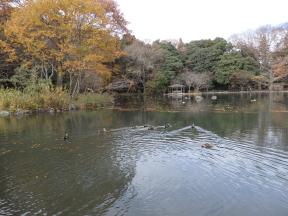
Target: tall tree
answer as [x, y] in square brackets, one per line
[70, 35]
[7, 51]
[142, 61]
[203, 55]
[168, 68]
[267, 45]
[280, 54]
[234, 62]
[198, 81]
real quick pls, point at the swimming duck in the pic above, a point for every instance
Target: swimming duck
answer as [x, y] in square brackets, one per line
[66, 136]
[151, 128]
[102, 130]
[207, 146]
[193, 125]
[167, 125]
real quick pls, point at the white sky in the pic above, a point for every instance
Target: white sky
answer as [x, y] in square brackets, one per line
[199, 19]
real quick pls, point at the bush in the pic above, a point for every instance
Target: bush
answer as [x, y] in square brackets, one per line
[12, 100]
[241, 80]
[158, 85]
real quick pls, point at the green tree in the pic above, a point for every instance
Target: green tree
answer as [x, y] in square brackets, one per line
[232, 62]
[203, 55]
[170, 66]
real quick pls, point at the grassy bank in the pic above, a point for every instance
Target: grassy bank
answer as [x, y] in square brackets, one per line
[53, 100]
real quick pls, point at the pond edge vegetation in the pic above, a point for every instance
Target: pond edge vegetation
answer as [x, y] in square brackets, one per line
[73, 54]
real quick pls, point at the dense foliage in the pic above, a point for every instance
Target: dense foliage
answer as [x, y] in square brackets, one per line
[254, 60]
[57, 38]
[85, 46]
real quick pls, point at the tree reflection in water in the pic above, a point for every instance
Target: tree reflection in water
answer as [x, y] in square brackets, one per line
[109, 173]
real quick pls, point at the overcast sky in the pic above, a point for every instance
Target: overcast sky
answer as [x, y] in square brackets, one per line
[199, 19]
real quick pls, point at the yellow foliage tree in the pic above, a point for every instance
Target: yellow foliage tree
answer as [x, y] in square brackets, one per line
[74, 36]
[7, 52]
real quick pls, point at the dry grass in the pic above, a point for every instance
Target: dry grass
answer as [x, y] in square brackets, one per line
[13, 100]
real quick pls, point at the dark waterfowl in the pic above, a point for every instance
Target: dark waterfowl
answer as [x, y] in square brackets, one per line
[151, 128]
[167, 125]
[207, 146]
[66, 136]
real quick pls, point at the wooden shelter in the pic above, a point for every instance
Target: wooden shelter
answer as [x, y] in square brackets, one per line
[176, 89]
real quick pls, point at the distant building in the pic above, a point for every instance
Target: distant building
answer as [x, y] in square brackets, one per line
[176, 89]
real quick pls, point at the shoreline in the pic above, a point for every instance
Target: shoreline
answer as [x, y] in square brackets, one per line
[28, 104]
[111, 105]
[222, 92]
[22, 112]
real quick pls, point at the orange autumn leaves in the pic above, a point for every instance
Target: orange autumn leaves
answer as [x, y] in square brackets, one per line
[75, 36]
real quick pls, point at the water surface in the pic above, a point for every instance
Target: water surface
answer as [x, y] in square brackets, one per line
[134, 171]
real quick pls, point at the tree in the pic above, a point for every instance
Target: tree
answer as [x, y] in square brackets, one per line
[142, 60]
[265, 37]
[71, 36]
[198, 81]
[241, 79]
[233, 62]
[265, 45]
[280, 54]
[188, 78]
[168, 68]
[172, 62]
[203, 55]
[7, 51]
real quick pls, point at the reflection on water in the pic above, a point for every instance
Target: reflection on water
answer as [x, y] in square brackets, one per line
[134, 171]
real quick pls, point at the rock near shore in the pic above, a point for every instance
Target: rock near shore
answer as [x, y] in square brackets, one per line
[4, 113]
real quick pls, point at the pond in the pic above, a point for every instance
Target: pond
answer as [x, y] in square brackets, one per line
[130, 170]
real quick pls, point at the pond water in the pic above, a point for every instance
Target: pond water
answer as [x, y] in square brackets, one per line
[134, 171]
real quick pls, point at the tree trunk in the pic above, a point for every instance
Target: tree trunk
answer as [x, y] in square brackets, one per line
[144, 80]
[70, 83]
[60, 80]
[76, 87]
[271, 80]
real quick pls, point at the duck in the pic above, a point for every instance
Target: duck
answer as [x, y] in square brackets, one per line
[102, 131]
[167, 125]
[207, 146]
[193, 125]
[151, 128]
[66, 136]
